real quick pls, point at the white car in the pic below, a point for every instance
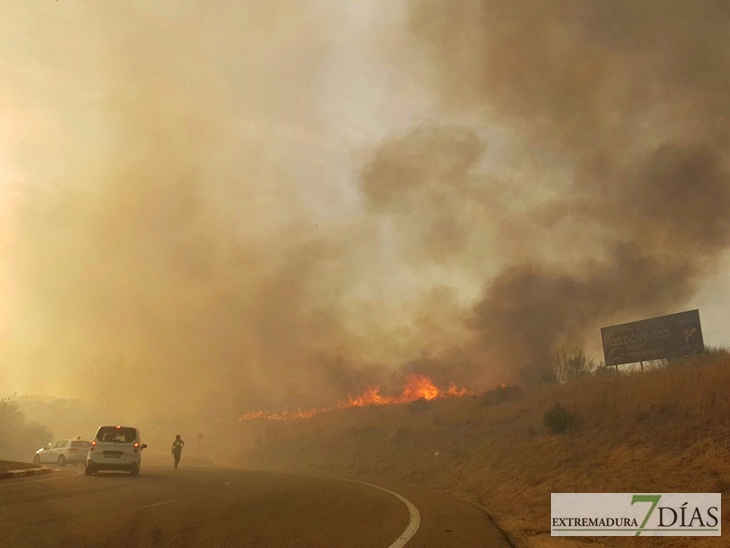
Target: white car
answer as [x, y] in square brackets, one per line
[115, 448]
[62, 452]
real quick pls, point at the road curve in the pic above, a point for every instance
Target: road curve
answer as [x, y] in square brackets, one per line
[226, 507]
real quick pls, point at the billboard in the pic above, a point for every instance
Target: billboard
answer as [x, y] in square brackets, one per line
[653, 339]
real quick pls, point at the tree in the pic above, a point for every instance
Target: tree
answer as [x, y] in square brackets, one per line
[18, 439]
[10, 420]
[573, 365]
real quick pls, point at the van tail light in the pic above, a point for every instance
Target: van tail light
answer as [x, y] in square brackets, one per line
[136, 447]
[93, 444]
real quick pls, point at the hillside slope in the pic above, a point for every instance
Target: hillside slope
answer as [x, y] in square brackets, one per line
[666, 430]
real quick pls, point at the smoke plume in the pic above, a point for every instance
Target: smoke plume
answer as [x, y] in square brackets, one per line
[275, 205]
[616, 205]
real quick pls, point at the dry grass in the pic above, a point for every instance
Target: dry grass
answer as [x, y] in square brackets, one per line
[665, 430]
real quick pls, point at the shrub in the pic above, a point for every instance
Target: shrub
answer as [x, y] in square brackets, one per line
[603, 371]
[558, 419]
[710, 355]
[571, 366]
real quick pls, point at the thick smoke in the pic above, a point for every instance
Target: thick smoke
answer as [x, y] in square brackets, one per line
[621, 110]
[164, 240]
[274, 205]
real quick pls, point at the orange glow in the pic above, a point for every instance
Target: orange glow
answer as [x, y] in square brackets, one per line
[416, 387]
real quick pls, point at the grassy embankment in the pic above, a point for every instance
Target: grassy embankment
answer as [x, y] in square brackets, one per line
[666, 430]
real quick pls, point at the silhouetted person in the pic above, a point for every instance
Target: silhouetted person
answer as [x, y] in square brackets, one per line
[177, 447]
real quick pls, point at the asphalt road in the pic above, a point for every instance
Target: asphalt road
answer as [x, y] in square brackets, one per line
[201, 507]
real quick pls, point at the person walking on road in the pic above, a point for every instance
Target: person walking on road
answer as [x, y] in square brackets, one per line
[177, 447]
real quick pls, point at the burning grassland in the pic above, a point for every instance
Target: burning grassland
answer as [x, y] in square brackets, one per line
[639, 432]
[417, 387]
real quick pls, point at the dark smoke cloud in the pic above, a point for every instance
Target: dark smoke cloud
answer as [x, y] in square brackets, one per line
[627, 101]
[423, 181]
[583, 75]
[185, 221]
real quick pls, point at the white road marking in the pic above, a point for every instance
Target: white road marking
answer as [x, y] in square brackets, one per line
[414, 519]
[159, 503]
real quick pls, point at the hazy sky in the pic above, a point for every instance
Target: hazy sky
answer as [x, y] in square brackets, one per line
[280, 203]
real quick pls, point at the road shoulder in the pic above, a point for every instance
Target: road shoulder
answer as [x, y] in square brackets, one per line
[9, 470]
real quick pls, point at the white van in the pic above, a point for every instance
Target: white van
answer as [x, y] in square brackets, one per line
[115, 448]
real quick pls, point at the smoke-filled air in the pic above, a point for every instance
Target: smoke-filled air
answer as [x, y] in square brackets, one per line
[218, 208]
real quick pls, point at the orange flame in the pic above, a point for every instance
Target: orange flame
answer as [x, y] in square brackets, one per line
[416, 387]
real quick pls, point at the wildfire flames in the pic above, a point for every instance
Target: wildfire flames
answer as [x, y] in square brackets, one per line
[416, 387]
